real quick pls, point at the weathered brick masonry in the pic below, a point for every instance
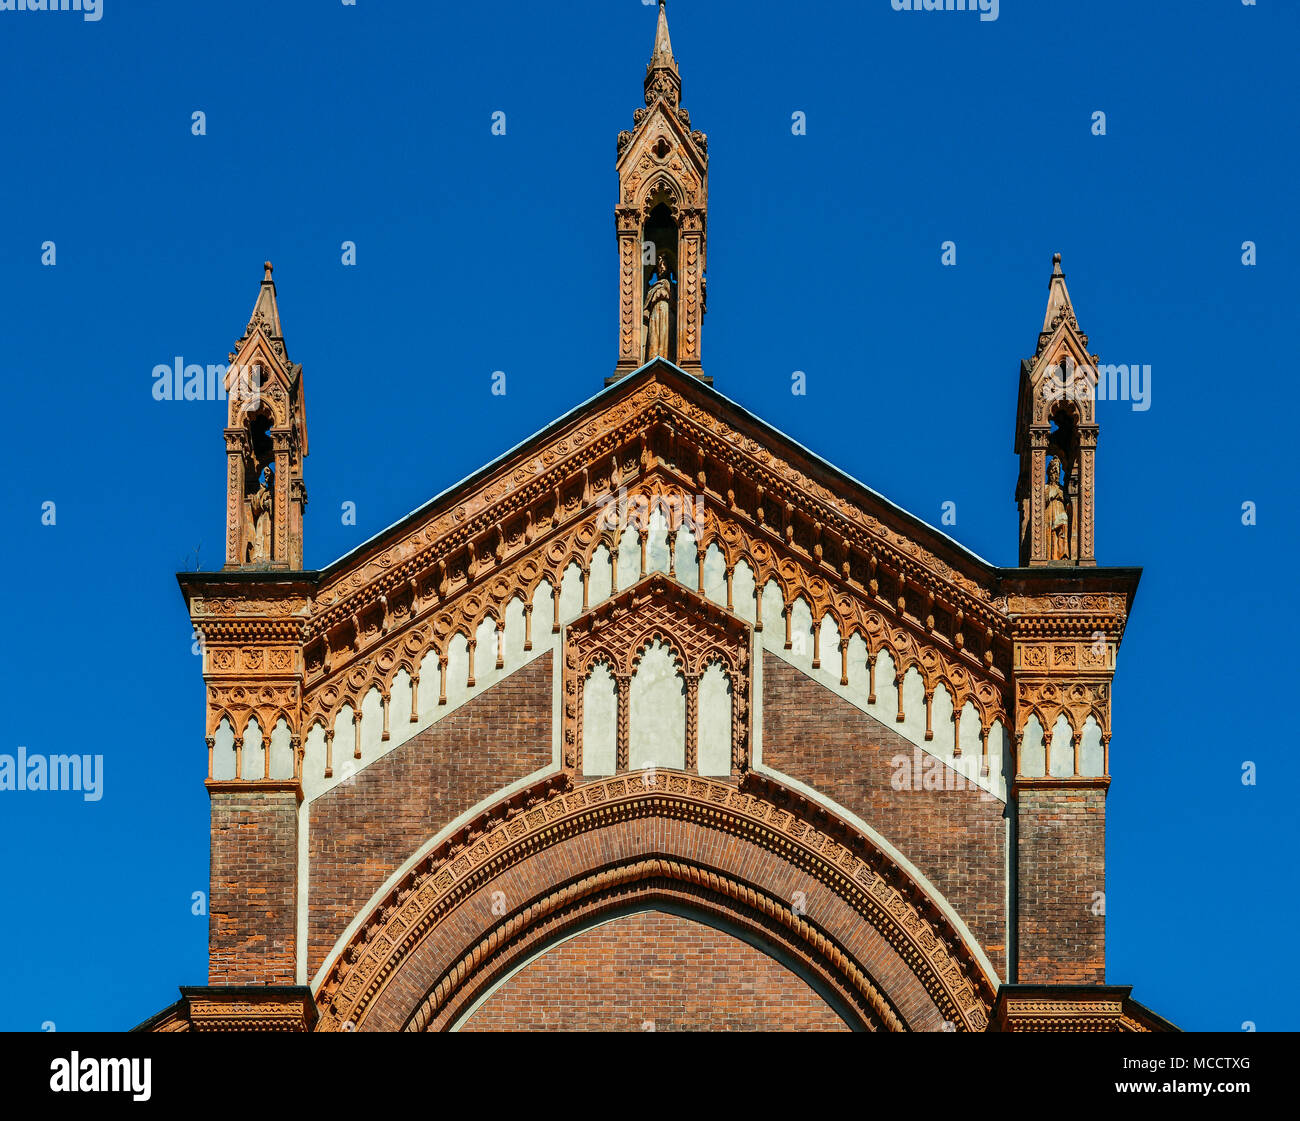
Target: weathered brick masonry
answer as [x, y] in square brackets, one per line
[362, 830]
[957, 838]
[1061, 852]
[654, 971]
[252, 900]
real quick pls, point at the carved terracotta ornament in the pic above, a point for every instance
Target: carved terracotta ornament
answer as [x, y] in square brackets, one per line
[772, 819]
[696, 632]
[701, 484]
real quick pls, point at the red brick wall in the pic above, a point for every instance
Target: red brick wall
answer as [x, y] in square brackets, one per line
[957, 838]
[251, 902]
[361, 831]
[1061, 859]
[677, 973]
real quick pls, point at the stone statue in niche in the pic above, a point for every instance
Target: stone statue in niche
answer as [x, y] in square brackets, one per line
[260, 508]
[658, 312]
[1058, 521]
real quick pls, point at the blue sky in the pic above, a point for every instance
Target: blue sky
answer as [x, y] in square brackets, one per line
[371, 123]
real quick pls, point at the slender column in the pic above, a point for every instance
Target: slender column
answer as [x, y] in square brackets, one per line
[621, 683]
[692, 721]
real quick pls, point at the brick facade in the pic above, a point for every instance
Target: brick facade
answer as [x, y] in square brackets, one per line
[252, 901]
[365, 828]
[655, 971]
[468, 931]
[1061, 857]
[956, 838]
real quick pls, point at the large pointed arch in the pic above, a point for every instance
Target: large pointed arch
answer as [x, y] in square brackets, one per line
[760, 856]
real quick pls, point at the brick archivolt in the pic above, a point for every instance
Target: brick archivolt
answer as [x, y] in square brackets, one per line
[687, 885]
[431, 900]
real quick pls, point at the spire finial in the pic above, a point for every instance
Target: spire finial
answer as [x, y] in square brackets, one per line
[663, 52]
[1058, 296]
[266, 310]
[662, 78]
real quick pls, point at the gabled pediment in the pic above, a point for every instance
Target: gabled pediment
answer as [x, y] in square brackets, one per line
[661, 444]
[657, 473]
[683, 158]
[660, 418]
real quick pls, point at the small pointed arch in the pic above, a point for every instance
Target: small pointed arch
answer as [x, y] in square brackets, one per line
[1092, 755]
[970, 732]
[1061, 749]
[372, 723]
[282, 760]
[599, 729]
[253, 746]
[913, 707]
[714, 584]
[343, 726]
[685, 556]
[313, 755]
[943, 729]
[799, 638]
[656, 545]
[545, 615]
[517, 632]
[828, 651]
[487, 638]
[1033, 749]
[857, 651]
[657, 709]
[223, 750]
[400, 694]
[885, 675]
[600, 579]
[743, 590]
[454, 687]
[998, 763]
[571, 592]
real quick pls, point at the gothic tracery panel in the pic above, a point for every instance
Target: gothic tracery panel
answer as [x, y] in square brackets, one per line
[658, 641]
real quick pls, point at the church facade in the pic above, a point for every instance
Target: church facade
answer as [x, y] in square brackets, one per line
[659, 721]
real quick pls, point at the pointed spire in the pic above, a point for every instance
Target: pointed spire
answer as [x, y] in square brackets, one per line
[1058, 298]
[663, 52]
[662, 78]
[266, 312]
